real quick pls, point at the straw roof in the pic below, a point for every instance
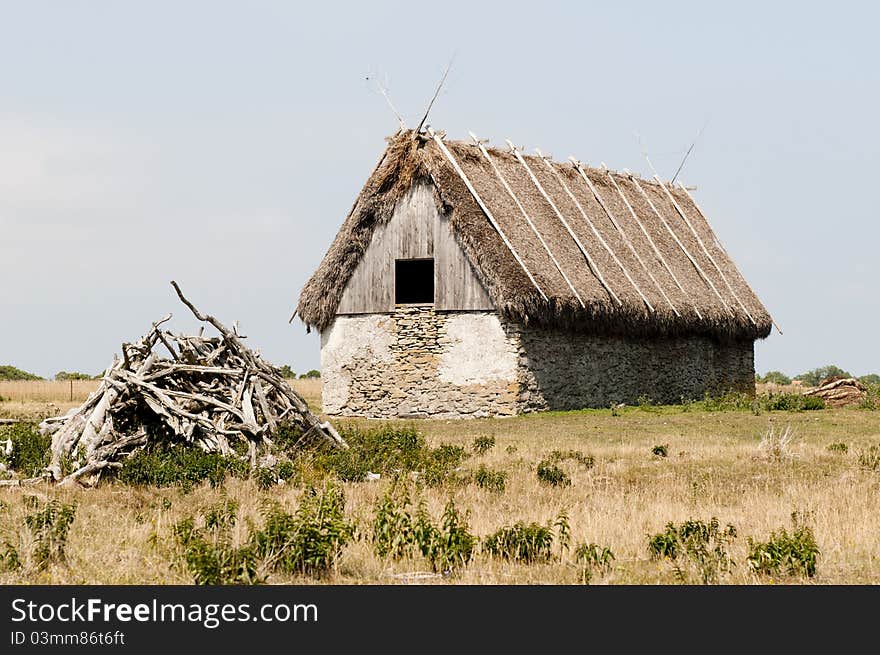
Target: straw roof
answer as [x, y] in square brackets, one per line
[555, 244]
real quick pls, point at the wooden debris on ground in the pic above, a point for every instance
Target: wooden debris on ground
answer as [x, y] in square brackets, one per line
[211, 392]
[839, 392]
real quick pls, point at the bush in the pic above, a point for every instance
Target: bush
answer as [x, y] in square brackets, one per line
[310, 375]
[660, 450]
[838, 447]
[775, 377]
[490, 480]
[870, 380]
[72, 375]
[527, 543]
[448, 547]
[287, 372]
[49, 526]
[390, 450]
[483, 445]
[551, 474]
[179, 465]
[12, 373]
[30, 449]
[521, 543]
[593, 558]
[308, 541]
[698, 544]
[393, 531]
[814, 377]
[794, 554]
[583, 459]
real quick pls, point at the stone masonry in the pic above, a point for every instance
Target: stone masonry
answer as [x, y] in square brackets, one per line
[418, 362]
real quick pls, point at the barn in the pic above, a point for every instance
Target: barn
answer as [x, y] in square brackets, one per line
[472, 281]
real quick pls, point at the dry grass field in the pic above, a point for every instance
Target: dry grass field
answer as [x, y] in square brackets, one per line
[716, 466]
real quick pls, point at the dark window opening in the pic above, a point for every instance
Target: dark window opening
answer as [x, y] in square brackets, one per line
[413, 281]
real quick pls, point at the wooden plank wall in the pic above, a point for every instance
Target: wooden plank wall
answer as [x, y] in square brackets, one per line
[416, 230]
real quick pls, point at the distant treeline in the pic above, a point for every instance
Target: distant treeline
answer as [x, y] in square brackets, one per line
[814, 377]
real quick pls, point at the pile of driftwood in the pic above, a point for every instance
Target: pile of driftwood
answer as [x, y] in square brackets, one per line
[211, 392]
[838, 392]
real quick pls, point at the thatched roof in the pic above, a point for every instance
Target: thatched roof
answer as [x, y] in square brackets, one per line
[556, 244]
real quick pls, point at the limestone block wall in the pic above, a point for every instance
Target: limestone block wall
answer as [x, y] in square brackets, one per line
[563, 370]
[419, 362]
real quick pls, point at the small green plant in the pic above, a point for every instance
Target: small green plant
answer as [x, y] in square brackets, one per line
[269, 476]
[528, 543]
[617, 409]
[660, 450]
[483, 445]
[49, 525]
[783, 553]
[448, 547]
[393, 531]
[30, 449]
[208, 552]
[646, 404]
[521, 542]
[550, 474]
[587, 461]
[838, 447]
[696, 544]
[180, 466]
[870, 458]
[486, 478]
[511, 449]
[310, 540]
[593, 558]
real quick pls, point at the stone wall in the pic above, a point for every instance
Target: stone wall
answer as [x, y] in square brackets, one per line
[418, 362]
[562, 370]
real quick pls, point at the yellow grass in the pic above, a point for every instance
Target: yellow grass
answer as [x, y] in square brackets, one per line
[715, 467]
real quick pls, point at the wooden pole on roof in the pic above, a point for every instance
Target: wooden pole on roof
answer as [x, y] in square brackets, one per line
[526, 215]
[718, 242]
[608, 213]
[703, 246]
[657, 252]
[604, 243]
[484, 207]
[682, 246]
[593, 265]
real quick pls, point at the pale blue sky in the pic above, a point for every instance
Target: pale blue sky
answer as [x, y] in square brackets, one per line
[221, 144]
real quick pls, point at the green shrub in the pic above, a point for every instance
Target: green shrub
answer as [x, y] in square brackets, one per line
[448, 547]
[870, 380]
[393, 529]
[593, 558]
[390, 451]
[30, 449]
[71, 375]
[486, 478]
[838, 447]
[179, 465]
[313, 374]
[583, 459]
[528, 543]
[814, 377]
[49, 525]
[208, 552]
[660, 450]
[483, 444]
[12, 373]
[794, 554]
[550, 474]
[775, 377]
[697, 544]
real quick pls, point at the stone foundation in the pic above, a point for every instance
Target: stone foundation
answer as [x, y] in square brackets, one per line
[418, 362]
[561, 370]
